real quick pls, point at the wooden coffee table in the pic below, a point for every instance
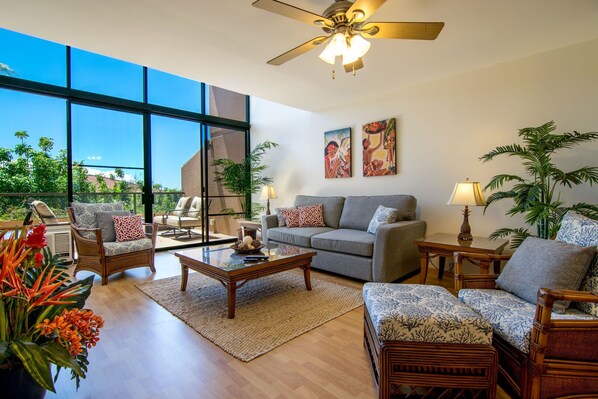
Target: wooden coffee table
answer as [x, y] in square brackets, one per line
[223, 264]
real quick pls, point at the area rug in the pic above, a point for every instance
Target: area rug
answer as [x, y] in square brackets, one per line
[270, 311]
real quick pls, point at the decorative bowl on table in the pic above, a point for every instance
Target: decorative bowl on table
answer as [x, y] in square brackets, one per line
[247, 250]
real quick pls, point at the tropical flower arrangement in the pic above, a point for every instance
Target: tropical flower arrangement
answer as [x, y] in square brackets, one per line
[42, 320]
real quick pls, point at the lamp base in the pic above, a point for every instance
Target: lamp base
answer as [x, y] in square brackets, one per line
[465, 234]
[465, 237]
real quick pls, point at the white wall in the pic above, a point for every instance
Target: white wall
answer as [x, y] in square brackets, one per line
[443, 127]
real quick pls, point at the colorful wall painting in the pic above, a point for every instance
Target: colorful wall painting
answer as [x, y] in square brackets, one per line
[337, 153]
[379, 148]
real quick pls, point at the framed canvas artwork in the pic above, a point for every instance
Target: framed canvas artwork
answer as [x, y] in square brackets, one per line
[379, 147]
[337, 153]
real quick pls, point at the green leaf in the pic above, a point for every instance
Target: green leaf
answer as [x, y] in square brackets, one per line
[60, 356]
[4, 354]
[35, 361]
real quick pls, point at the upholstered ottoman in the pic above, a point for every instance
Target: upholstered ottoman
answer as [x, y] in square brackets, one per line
[424, 343]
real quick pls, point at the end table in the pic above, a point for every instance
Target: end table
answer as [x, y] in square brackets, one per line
[445, 245]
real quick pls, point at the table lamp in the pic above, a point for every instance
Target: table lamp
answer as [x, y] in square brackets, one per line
[268, 193]
[467, 193]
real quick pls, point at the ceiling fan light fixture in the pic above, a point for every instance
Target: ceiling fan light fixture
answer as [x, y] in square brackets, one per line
[338, 44]
[350, 57]
[359, 45]
[328, 55]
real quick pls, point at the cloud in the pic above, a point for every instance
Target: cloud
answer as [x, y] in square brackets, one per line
[94, 157]
[95, 172]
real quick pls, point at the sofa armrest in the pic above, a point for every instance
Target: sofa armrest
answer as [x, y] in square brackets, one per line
[268, 222]
[487, 281]
[395, 254]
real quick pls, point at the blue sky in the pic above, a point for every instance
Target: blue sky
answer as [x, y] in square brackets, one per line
[100, 136]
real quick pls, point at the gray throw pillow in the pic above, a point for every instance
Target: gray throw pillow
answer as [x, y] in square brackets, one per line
[539, 263]
[383, 215]
[106, 223]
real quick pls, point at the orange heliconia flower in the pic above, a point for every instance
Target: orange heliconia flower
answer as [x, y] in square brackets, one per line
[74, 328]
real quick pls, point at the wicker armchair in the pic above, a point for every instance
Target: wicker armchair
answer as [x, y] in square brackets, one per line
[107, 258]
[561, 359]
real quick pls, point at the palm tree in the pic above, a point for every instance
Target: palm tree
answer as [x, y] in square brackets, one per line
[535, 195]
[6, 70]
[245, 178]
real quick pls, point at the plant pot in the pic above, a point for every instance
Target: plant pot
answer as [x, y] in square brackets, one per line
[16, 383]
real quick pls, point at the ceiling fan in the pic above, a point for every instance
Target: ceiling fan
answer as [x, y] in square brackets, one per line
[345, 24]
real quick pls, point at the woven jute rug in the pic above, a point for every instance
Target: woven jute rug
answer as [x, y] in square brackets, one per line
[270, 311]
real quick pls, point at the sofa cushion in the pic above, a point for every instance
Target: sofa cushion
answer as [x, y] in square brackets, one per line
[539, 263]
[311, 216]
[182, 206]
[128, 228]
[423, 313]
[581, 230]
[282, 221]
[291, 217]
[359, 210]
[300, 236]
[105, 222]
[118, 248]
[355, 242]
[85, 214]
[333, 207]
[383, 215]
[511, 317]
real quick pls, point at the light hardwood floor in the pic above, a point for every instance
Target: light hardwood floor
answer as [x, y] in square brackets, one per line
[145, 352]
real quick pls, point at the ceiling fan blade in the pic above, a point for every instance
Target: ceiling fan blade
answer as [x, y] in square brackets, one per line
[402, 30]
[297, 51]
[354, 66]
[368, 7]
[296, 13]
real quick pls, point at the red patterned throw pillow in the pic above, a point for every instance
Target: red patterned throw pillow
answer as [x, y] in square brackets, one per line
[291, 216]
[311, 216]
[128, 228]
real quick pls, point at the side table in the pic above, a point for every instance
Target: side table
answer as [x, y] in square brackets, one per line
[445, 245]
[250, 225]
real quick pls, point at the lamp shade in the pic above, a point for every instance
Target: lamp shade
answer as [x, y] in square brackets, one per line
[328, 55]
[359, 45]
[338, 44]
[467, 193]
[268, 193]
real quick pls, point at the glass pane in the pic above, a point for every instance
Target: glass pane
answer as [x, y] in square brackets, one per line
[32, 58]
[103, 185]
[107, 156]
[173, 91]
[33, 162]
[176, 173]
[225, 144]
[104, 75]
[107, 138]
[226, 104]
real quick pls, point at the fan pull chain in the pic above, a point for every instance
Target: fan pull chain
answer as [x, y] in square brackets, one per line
[354, 69]
[333, 73]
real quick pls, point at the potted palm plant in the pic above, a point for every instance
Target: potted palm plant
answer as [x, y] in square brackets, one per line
[245, 178]
[536, 195]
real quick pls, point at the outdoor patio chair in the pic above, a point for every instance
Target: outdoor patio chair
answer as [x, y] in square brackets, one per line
[44, 214]
[97, 250]
[181, 221]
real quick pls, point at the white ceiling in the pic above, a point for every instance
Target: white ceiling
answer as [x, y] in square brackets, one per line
[227, 42]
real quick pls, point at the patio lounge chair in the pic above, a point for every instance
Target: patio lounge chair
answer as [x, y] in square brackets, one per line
[182, 220]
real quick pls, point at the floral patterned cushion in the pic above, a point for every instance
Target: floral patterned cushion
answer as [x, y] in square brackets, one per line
[511, 317]
[580, 230]
[423, 313]
[383, 215]
[85, 214]
[117, 248]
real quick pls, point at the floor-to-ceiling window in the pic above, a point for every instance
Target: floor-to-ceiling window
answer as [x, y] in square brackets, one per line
[109, 130]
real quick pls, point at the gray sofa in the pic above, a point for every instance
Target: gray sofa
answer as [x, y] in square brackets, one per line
[345, 247]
